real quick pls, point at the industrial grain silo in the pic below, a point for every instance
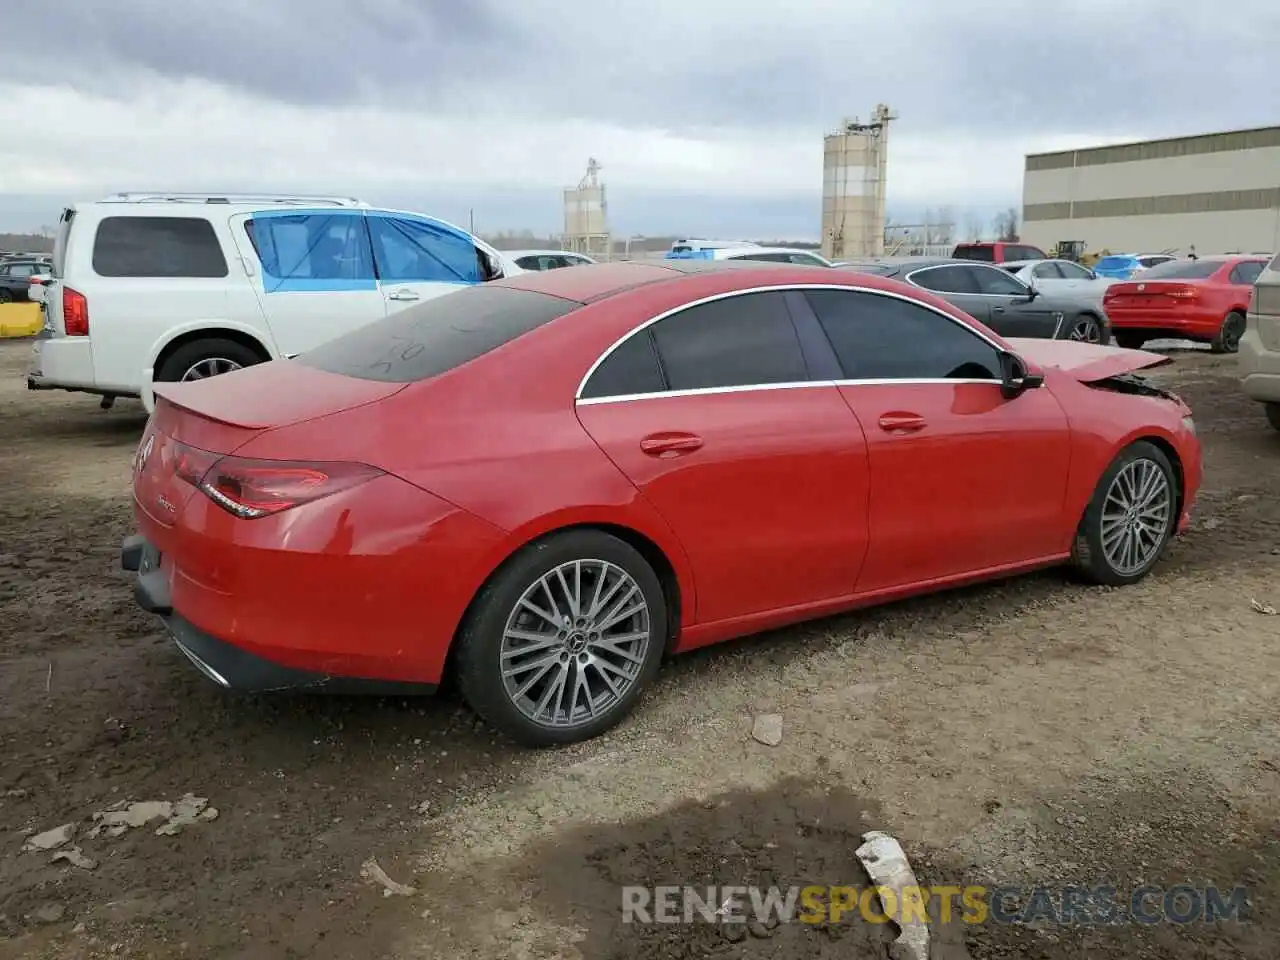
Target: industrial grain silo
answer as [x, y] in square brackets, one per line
[586, 216]
[853, 181]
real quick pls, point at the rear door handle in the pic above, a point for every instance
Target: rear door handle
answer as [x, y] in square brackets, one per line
[997, 309]
[670, 444]
[902, 422]
[403, 295]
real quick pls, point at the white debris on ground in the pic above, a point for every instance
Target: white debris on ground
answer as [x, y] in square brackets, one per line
[74, 857]
[122, 817]
[50, 839]
[887, 866]
[767, 729]
[375, 874]
[1266, 608]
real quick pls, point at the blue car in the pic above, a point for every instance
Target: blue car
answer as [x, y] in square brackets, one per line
[1122, 266]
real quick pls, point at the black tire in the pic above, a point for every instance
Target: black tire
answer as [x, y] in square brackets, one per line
[5, 296]
[1129, 339]
[1273, 414]
[1089, 327]
[1087, 552]
[479, 641]
[1229, 334]
[188, 355]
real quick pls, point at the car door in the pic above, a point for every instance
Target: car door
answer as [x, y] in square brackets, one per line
[758, 466]
[1013, 311]
[962, 480]
[1076, 277]
[956, 284]
[418, 258]
[312, 272]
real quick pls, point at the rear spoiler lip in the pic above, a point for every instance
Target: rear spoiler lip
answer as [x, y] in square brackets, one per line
[166, 390]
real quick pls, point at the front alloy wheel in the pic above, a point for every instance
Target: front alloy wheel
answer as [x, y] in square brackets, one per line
[1086, 329]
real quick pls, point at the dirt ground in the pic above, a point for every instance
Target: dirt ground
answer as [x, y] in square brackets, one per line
[1030, 732]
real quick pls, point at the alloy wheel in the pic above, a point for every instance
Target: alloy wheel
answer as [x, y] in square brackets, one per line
[209, 367]
[1135, 516]
[1086, 330]
[575, 643]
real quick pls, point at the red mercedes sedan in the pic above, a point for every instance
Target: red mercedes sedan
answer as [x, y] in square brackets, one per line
[543, 485]
[1205, 300]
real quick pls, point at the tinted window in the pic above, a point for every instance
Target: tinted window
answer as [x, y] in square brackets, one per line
[735, 342]
[1047, 271]
[875, 269]
[953, 279]
[878, 337]
[312, 251]
[157, 247]
[1183, 270]
[1152, 261]
[1246, 274]
[1022, 253]
[976, 252]
[632, 368]
[437, 335]
[416, 251]
[1073, 271]
[997, 282]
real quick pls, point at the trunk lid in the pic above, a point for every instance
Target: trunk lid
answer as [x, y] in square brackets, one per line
[195, 423]
[1150, 293]
[1087, 362]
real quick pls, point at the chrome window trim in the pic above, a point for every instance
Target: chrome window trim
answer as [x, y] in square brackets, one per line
[802, 287]
[963, 293]
[713, 391]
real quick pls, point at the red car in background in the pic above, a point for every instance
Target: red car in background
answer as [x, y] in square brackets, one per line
[1205, 300]
[545, 484]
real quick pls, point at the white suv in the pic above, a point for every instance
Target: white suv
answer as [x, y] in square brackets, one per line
[169, 287]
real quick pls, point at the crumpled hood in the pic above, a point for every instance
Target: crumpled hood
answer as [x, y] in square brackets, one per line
[1087, 362]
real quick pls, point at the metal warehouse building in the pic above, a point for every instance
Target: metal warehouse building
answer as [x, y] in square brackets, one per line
[1219, 192]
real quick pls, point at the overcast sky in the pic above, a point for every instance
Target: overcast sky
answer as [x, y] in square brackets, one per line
[707, 115]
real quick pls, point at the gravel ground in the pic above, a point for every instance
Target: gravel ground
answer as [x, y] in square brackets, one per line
[1030, 732]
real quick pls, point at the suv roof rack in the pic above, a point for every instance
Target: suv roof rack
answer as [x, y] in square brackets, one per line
[148, 196]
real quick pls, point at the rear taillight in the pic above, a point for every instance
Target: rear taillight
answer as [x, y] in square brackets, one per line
[1182, 293]
[249, 488]
[75, 313]
[38, 282]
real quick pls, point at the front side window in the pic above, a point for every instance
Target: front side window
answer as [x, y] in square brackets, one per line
[997, 283]
[417, 251]
[879, 337]
[318, 252]
[158, 247]
[949, 279]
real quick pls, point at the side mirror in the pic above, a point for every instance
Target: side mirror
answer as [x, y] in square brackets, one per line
[1015, 378]
[490, 268]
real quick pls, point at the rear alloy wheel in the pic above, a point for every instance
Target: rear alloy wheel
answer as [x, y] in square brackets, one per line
[1273, 414]
[1130, 519]
[1129, 339]
[202, 359]
[6, 296]
[1229, 334]
[561, 642]
[1086, 329]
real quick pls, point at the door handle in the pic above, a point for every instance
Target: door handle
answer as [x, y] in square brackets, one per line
[902, 422]
[670, 444]
[403, 295]
[997, 309]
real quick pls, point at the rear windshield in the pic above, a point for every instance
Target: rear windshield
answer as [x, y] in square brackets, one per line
[1114, 263]
[972, 252]
[436, 336]
[1183, 270]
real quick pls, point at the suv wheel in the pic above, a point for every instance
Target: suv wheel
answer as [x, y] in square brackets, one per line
[202, 359]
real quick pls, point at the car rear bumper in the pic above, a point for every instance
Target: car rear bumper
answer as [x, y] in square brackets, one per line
[1259, 367]
[61, 363]
[1171, 323]
[226, 664]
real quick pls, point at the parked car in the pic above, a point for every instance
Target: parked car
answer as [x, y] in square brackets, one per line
[1260, 345]
[1204, 300]
[992, 296]
[172, 287]
[547, 483]
[547, 259]
[806, 258]
[15, 279]
[996, 251]
[1123, 266]
[1056, 276]
[684, 246]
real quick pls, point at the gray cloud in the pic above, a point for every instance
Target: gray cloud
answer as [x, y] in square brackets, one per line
[981, 67]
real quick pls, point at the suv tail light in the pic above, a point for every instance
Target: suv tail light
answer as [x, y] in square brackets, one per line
[249, 488]
[75, 313]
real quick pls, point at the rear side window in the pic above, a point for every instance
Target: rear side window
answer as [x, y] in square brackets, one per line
[312, 252]
[438, 335]
[740, 341]
[950, 279]
[1183, 270]
[878, 337]
[417, 251]
[631, 369]
[157, 247]
[1246, 274]
[986, 254]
